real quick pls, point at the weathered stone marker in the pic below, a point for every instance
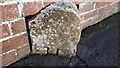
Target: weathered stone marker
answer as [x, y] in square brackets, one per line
[56, 30]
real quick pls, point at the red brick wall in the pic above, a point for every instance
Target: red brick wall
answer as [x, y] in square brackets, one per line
[91, 13]
[14, 42]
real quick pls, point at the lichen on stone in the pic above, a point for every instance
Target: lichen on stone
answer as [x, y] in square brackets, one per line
[56, 30]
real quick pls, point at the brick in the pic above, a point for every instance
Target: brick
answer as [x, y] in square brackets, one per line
[0, 43]
[0, 32]
[91, 14]
[23, 51]
[105, 15]
[113, 6]
[47, 3]
[18, 26]
[0, 47]
[110, 12]
[14, 42]
[94, 20]
[86, 7]
[8, 58]
[31, 8]
[86, 23]
[4, 31]
[118, 6]
[9, 12]
[0, 14]
[108, 3]
[104, 9]
[100, 4]
[115, 10]
[1, 0]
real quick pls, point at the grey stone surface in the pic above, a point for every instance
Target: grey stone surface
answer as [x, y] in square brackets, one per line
[56, 30]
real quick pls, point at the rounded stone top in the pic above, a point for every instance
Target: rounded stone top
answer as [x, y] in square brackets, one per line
[66, 5]
[56, 30]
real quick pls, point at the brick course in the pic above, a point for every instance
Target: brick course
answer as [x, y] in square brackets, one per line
[14, 42]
